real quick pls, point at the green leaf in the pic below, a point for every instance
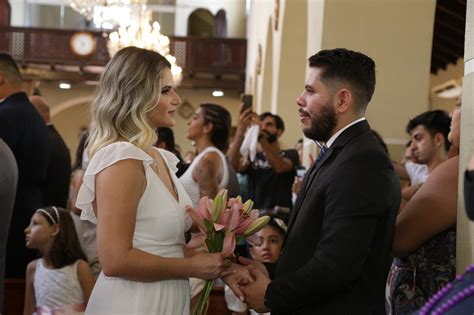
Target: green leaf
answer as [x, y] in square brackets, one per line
[209, 225]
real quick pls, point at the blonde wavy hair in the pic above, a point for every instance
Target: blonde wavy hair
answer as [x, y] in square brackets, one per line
[128, 90]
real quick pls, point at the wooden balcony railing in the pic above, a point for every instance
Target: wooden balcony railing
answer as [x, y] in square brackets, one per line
[44, 47]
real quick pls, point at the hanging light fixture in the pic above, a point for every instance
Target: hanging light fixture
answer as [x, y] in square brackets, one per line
[105, 13]
[140, 33]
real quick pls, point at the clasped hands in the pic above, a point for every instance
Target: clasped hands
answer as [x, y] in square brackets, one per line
[249, 282]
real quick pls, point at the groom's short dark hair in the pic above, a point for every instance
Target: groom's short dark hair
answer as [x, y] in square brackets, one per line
[341, 65]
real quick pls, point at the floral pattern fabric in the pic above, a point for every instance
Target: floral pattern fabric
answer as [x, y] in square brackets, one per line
[412, 280]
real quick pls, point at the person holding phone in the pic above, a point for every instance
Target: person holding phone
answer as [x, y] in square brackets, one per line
[273, 169]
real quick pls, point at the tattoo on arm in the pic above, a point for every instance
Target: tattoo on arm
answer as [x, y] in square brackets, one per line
[206, 176]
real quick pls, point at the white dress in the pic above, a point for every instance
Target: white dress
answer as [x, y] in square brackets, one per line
[57, 288]
[159, 229]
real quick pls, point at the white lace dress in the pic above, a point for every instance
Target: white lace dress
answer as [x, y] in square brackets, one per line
[159, 229]
[58, 290]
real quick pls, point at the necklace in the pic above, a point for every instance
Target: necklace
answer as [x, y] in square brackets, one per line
[453, 300]
[155, 164]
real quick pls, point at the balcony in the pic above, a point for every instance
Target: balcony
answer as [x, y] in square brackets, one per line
[45, 54]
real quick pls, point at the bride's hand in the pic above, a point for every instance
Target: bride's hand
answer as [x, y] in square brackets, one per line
[209, 266]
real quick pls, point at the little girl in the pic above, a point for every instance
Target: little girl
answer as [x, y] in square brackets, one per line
[61, 281]
[268, 250]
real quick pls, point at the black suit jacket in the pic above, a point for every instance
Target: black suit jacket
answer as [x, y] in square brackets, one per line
[56, 189]
[336, 254]
[24, 131]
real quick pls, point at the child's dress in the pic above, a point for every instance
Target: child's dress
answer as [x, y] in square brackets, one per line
[58, 291]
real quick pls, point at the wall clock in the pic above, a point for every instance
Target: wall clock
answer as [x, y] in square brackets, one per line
[83, 44]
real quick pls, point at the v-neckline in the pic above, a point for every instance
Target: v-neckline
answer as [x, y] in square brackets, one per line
[177, 198]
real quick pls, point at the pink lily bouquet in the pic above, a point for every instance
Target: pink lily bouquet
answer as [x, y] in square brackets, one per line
[222, 222]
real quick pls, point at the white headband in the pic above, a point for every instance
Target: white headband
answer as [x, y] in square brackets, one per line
[50, 216]
[57, 213]
[280, 223]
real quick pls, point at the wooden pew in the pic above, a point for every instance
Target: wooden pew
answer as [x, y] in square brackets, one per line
[217, 305]
[14, 296]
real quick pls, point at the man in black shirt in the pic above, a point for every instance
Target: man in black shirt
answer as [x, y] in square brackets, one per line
[271, 174]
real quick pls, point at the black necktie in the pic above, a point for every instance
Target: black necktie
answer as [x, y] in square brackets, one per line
[322, 153]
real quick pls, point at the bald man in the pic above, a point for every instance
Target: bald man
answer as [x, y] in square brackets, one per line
[26, 134]
[56, 188]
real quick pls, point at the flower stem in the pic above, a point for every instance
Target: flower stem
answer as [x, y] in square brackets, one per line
[203, 302]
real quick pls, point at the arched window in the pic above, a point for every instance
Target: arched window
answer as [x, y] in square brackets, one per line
[201, 23]
[220, 24]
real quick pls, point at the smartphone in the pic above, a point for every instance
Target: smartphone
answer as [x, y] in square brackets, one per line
[246, 100]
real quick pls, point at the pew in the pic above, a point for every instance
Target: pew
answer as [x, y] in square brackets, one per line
[14, 296]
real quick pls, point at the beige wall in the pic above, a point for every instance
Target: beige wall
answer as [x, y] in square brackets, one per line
[397, 35]
[289, 79]
[70, 110]
[283, 60]
[381, 29]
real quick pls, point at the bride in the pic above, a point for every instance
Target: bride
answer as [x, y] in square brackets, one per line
[130, 190]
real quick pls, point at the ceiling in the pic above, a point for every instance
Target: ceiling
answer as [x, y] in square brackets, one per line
[448, 34]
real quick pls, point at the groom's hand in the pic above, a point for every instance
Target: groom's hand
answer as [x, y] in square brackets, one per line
[239, 276]
[255, 292]
[255, 264]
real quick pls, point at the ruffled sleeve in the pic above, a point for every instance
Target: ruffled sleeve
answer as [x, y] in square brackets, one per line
[171, 160]
[102, 159]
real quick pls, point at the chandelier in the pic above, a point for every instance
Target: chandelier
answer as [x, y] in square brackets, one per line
[106, 14]
[138, 32]
[131, 19]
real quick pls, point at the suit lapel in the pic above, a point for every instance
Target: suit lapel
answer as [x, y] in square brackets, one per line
[343, 138]
[308, 180]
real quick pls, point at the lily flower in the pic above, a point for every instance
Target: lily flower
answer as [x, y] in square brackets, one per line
[229, 244]
[220, 202]
[199, 214]
[256, 225]
[247, 207]
[246, 222]
[197, 241]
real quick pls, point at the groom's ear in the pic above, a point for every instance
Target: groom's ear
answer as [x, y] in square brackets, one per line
[343, 100]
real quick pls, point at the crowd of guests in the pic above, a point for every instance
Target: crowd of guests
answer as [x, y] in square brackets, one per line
[52, 195]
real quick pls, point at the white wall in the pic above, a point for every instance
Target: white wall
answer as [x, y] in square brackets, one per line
[234, 9]
[17, 12]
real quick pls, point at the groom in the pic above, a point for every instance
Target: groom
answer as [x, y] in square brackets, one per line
[336, 255]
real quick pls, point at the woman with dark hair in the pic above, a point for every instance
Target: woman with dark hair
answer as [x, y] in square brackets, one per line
[166, 142]
[209, 172]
